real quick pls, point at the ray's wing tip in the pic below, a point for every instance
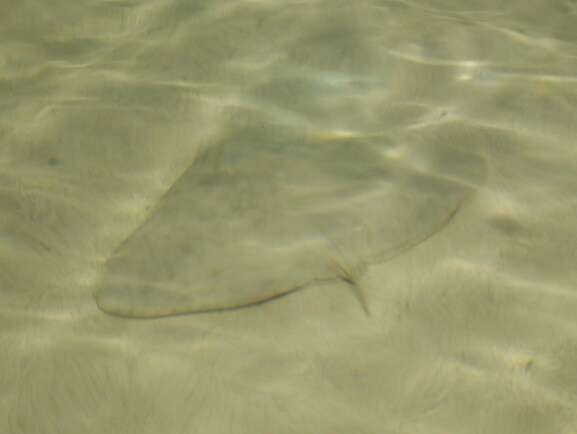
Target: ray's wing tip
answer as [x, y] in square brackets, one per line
[128, 303]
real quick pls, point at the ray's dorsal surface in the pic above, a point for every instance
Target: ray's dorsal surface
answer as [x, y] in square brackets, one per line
[264, 214]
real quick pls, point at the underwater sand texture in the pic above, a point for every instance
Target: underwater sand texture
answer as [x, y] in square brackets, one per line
[266, 212]
[110, 108]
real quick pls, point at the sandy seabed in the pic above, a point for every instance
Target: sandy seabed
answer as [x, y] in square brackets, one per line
[324, 217]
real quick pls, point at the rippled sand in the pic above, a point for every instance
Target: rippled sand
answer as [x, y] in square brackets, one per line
[161, 144]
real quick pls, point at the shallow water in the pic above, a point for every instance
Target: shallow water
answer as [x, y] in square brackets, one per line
[404, 172]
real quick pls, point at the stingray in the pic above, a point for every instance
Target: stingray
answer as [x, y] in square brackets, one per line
[262, 214]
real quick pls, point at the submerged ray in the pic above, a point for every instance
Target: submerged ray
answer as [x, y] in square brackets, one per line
[266, 213]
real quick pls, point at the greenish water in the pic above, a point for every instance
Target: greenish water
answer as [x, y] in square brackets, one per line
[269, 216]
